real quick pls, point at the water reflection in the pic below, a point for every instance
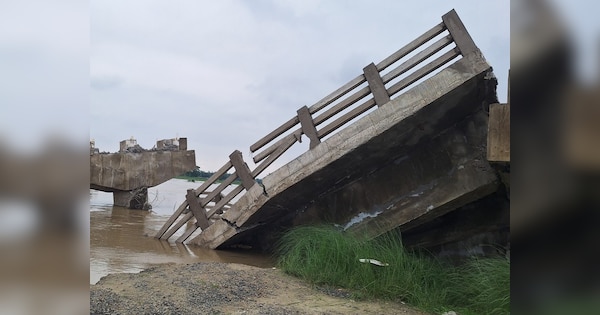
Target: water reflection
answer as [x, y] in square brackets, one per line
[121, 240]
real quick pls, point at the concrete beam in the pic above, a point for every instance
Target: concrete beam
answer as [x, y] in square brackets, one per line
[129, 171]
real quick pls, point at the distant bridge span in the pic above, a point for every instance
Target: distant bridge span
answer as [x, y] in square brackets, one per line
[128, 173]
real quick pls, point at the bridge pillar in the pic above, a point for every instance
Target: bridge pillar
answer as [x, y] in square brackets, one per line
[132, 199]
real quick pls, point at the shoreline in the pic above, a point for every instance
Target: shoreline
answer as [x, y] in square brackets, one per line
[225, 288]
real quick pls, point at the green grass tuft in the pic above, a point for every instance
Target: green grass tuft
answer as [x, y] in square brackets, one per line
[484, 286]
[326, 256]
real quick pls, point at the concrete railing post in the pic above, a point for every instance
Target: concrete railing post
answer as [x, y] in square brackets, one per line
[182, 144]
[241, 169]
[197, 210]
[376, 85]
[308, 126]
[459, 33]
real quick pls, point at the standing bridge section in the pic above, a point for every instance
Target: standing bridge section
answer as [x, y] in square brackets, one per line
[129, 173]
[399, 145]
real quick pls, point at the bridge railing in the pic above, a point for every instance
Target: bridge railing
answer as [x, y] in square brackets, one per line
[353, 99]
[360, 95]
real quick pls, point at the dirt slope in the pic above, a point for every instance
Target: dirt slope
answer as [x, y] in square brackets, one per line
[219, 288]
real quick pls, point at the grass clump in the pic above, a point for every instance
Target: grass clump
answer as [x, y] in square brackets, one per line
[482, 286]
[326, 256]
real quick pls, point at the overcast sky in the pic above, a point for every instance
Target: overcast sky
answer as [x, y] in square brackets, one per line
[44, 72]
[225, 73]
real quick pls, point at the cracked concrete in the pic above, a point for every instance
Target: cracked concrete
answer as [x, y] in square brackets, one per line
[417, 138]
[122, 173]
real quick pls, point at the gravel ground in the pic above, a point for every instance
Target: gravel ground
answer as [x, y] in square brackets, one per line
[219, 288]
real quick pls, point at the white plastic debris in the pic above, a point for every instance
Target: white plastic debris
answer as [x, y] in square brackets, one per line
[449, 313]
[373, 261]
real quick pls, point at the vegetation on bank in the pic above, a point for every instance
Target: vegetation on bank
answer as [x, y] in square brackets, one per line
[202, 176]
[327, 256]
[203, 179]
[198, 174]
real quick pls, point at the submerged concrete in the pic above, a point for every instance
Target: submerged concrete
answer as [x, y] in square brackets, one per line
[427, 143]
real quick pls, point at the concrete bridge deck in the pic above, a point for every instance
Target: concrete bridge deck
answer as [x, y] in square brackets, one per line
[412, 159]
[411, 147]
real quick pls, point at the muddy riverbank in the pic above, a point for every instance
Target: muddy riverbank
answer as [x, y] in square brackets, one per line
[121, 240]
[224, 288]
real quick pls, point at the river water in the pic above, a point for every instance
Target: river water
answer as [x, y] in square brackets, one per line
[121, 240]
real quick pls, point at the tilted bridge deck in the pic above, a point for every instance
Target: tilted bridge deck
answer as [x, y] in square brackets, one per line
[358, 119]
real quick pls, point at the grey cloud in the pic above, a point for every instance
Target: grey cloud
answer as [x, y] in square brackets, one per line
[105, 83]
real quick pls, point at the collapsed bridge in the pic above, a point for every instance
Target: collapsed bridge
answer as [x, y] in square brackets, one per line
[398, 147]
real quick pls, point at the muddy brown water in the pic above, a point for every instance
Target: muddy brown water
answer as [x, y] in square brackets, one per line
[121, 240]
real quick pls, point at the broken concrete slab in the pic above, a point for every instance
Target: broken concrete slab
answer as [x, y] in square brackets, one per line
[128, 171]
[366, 147]
[127, 174]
